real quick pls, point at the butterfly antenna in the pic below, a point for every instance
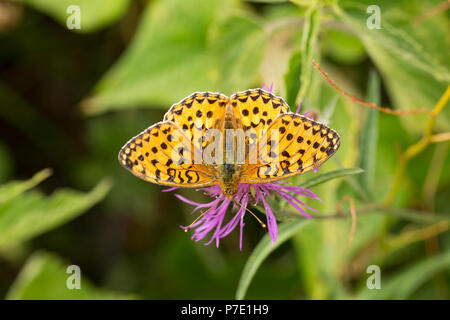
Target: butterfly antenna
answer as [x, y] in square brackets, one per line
[299, 107]
[196, 219]
[260, 222]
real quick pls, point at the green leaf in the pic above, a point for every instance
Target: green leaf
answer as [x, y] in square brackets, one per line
[12, 189]
[322, 178]
[395, 40]
[268, 1]
[316, 258]
[410, 57]
[369, 137]
[44, 277]
[404, 283]
[238, 44]
[409, 88]
[292, 79]
[32, 213]
[343, 46]
[262, 251]
[328, 111]
[205, 47]
[94, 14]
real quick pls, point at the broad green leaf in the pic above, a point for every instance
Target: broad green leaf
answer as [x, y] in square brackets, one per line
[409, 88]
[94, 14]
[404, 283]
[165, 61]
[369, 137]
[319, 248]
[268, 1]
[329, 176]
[410, 57]
[343, 47]
[205, 47]
[12, 189]
[328, 111]
[237, 44]
[310, 249]
[263, 250]
[33, 213]
[292, 79]
[394, 40]
[44, 277]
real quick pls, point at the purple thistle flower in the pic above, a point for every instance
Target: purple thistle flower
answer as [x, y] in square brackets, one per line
[298, 108]
[212, 218]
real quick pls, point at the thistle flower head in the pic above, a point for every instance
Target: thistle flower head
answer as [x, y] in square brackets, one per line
[212, 219]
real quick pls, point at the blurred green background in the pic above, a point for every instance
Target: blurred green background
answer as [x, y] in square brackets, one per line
[69, 100]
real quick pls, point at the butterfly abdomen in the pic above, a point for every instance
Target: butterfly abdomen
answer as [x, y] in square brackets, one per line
[229, 176]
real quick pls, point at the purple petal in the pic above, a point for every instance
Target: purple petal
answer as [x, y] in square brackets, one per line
[170, 189]
[298, 108]
[271, 221]
[179, 196]
[213, 213]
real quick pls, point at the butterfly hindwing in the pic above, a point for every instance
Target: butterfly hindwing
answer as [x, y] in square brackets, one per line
[162, 154]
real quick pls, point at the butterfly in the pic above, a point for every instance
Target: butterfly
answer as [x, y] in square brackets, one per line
[287, 144]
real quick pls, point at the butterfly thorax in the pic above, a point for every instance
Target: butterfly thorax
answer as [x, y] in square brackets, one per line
[229, 173]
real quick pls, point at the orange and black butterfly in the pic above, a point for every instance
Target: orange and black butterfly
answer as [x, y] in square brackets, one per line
[288, 144]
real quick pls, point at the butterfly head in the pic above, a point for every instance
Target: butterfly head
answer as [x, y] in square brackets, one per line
[229, 190]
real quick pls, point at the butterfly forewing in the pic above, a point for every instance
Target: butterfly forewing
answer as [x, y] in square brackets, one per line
[198, 113]
[257, 108]
[163, 154]
[301, 145]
